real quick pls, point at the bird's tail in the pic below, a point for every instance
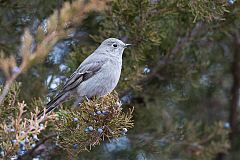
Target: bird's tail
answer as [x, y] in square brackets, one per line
[53, 104]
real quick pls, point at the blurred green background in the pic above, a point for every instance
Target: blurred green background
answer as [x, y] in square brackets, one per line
[182, 74]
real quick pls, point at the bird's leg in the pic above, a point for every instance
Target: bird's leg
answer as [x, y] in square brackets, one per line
[86, 98]
[77, 103]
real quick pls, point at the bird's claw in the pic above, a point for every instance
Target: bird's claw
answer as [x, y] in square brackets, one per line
[87, 98]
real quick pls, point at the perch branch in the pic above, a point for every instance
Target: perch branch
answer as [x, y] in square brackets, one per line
[71, 14]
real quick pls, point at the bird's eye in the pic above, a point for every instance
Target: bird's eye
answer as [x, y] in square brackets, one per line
[115, 45]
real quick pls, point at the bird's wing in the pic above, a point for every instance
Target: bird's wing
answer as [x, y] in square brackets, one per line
[83, 73]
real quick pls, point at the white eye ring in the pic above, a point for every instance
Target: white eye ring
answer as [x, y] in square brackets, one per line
[114, 45]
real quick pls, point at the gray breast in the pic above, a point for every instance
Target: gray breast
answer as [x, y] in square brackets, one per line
[103, 82]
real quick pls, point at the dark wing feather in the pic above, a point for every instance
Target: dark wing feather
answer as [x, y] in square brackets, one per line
[84, 72]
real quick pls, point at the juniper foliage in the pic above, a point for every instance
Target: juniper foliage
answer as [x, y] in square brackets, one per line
[180, 75]
[178, 72]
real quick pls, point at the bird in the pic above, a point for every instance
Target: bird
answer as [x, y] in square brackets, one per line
[97, 75]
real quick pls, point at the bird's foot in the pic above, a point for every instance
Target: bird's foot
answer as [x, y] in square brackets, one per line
[87, 98]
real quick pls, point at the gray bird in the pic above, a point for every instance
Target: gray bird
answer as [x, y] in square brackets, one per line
[96, 76]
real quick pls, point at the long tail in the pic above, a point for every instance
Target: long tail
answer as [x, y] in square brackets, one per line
[53, 104]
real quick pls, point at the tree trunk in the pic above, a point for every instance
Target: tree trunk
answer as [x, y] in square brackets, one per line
[235, 89]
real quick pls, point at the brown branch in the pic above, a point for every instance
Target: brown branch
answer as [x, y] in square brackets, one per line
[181, 44]
[72, 13]
[28, 58]
[30, 154]
[235, 89]
[7, 86]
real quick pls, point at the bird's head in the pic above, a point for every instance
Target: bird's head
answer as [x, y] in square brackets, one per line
[113, 46]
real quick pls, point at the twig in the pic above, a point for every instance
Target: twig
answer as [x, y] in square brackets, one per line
[33, 152]
[7, 87]
[168, 59]
[57, 31]
[28, 58]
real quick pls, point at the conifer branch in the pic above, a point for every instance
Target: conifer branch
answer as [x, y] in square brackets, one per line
[70, 15]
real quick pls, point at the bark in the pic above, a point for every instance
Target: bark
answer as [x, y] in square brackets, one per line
[235, 89]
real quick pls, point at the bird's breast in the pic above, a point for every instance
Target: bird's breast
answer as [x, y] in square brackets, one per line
[103, 82]
[111, 74]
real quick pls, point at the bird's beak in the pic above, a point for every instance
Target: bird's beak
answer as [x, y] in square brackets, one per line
[127, 45]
